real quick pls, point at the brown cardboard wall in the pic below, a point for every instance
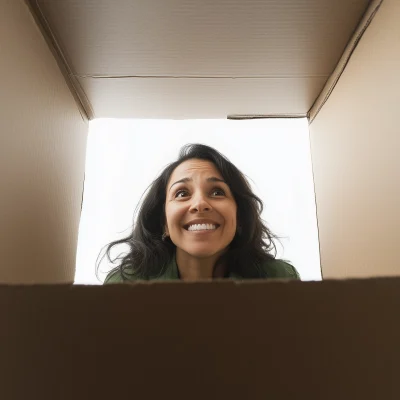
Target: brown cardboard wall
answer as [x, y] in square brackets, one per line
[330, 340]
[42, 154]
[199, 59]
[355, 143]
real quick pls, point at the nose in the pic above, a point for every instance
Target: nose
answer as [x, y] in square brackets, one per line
[200, 204]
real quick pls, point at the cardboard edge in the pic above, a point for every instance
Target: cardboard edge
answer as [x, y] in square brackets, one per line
[345, 58]
[251, 116]
[76, 89]
[203, 283]
[315, 200]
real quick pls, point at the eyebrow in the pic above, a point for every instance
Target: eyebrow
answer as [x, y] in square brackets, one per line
[211, 179]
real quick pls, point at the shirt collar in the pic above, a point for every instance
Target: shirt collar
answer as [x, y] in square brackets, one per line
[171, 271]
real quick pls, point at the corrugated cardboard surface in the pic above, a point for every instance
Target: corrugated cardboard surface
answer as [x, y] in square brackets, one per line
[367, 18]
[42, 156]
[201, 54]
[184, 98]
[355, 146]
[220, 340]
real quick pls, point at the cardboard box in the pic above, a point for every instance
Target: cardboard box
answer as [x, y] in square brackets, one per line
[325, 340]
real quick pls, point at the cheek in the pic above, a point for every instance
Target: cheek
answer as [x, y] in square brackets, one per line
[234, 224]
[232, 215]
[174, 215]
[169, 215]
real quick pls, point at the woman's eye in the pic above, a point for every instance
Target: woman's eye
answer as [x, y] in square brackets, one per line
[179, 192]
[219, 191]
[214, 192]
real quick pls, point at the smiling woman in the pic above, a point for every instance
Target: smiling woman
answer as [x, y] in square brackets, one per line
[199, 220]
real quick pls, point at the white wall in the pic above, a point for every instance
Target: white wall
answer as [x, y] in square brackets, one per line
[42, 155]
[125, 156]
[355, 143]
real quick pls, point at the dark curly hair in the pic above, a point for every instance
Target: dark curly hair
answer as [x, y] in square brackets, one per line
[148, 254]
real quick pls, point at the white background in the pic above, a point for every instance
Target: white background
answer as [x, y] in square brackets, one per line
[125, 156]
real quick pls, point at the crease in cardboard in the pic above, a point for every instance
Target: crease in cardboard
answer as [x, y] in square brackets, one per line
[256, 116]
[95, 76]
[83, 103]
[344, 60]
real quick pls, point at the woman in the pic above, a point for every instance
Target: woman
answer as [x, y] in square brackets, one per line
[199, 220]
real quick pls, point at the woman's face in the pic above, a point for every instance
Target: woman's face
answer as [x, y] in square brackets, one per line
[198, 199]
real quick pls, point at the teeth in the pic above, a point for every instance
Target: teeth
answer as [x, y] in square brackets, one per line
[201, 227]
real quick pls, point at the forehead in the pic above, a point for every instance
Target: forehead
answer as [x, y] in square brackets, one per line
[194, 167]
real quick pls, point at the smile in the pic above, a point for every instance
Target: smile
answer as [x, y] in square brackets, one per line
[202, 228]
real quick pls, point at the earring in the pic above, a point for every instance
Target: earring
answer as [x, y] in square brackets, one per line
[164, 236]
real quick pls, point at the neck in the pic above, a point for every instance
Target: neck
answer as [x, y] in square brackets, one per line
[193, 268]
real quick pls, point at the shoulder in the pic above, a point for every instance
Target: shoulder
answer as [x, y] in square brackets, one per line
[113, 277]
[280, 269]
[116, 276]
[129, 275]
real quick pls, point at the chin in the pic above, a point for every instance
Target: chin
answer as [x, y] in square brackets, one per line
[203, 253]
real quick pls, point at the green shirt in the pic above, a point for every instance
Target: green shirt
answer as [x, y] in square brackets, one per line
[275, 269]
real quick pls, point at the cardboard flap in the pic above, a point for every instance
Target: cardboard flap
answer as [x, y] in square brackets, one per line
[292, 46]
[252, 340]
